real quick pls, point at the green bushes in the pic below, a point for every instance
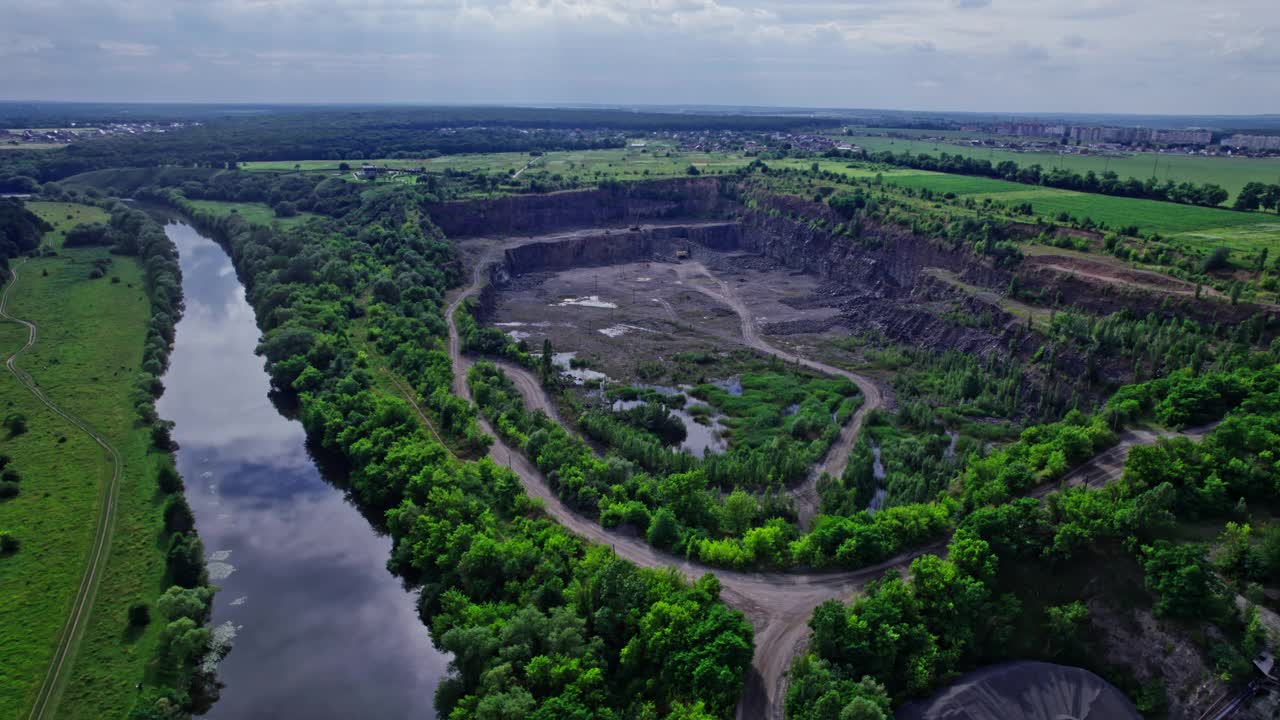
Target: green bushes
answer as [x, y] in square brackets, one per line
[864, 539]
[1042, 454]
[1182, 581]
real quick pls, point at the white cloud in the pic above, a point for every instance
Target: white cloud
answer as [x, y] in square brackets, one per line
[127, 49]
[806, 52]
[23, 44]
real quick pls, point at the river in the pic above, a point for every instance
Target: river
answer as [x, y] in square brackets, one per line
[321, 628]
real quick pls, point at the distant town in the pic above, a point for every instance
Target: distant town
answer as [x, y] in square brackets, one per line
[63, 136]
[1040, 136]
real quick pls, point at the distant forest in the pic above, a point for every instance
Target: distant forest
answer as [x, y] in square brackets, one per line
[357, 134]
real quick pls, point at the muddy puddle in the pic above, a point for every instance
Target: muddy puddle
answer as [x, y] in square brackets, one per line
[704, 433]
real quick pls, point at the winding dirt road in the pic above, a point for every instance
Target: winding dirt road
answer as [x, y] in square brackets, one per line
[779, 604]
[1108, 465]
[45, 704]
[837, 457]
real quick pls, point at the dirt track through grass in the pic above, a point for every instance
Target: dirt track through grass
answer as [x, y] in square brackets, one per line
[46, 701]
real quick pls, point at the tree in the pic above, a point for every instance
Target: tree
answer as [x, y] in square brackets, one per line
[168, 479]
[818, 692]
[1238, 558]
[739, 511]
[546, 366]
[1180, 578]
[177, 515]
[8, 543]
[179, 602]
[664, 529]
[1217, 259]
[1250, 196]
[1065, 627]
[15, 423]
[139, 615]
[185, 559]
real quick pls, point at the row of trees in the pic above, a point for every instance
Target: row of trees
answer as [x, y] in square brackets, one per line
[20, 230]
[1258, 196]
[1108, 183]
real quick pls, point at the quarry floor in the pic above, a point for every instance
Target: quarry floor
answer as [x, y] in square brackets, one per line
[617, 316]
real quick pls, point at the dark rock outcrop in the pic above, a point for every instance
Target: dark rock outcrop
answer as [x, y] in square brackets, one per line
[615, 247]
[620, 204]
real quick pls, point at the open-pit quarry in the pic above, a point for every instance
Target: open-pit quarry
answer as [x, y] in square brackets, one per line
[618, 295]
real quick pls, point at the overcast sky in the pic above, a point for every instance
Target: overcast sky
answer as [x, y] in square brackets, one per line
[1145, 56]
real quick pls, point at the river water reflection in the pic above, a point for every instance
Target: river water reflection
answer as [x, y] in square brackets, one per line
[322, 629]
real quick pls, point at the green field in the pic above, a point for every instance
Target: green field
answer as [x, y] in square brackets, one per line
[958, 184]
[493, 162]
[1149, 215]
[1188, 225]
[259, 213]
[1230, 172]
[64, 216]
[656, 159]
[88, 353]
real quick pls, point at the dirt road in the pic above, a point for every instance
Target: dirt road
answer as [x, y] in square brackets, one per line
[46, 701]
[779, 604]
[1108, 465]
[837, 457]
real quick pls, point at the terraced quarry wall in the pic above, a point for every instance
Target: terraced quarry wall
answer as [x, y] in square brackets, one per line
[611, 248]
[614, 205]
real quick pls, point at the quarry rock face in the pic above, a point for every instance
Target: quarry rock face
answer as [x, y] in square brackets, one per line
[618, 246]
[786, 229]
[886, 273]
[1025, 690]
[612, 205]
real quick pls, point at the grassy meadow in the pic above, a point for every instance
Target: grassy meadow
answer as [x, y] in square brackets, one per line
[88, 353]
[656, 159]
[258, 213]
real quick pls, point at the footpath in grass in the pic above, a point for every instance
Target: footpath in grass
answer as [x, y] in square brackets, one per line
[87, 356]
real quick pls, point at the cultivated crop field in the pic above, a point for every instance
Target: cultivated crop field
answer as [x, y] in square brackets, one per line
[1231, 173]
[1192, 225]
[1163, 217]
